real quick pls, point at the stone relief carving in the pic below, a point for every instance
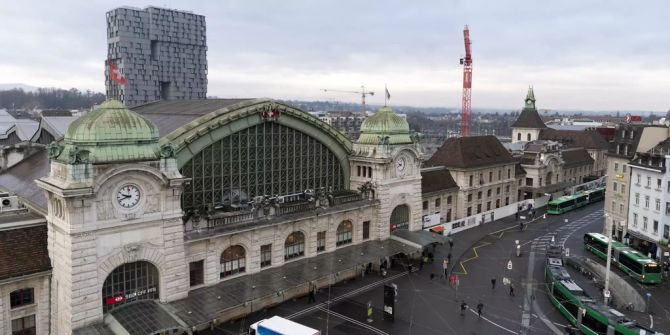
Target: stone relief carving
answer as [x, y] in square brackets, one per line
[54, 150]
[168, 150]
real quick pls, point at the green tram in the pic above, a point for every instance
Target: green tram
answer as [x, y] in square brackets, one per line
[629, 260]
[580, 199]
[582, 311]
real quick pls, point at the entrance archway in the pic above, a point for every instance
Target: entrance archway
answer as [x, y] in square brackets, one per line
[399, 218]
[130, 282]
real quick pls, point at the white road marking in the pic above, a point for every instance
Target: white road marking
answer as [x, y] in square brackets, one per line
[493, 323]
[354, 321]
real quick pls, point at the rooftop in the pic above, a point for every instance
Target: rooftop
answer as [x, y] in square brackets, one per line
[23, 251]
[470, 152]
[437, 180]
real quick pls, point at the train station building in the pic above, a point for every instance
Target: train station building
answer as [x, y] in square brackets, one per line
[179, 214]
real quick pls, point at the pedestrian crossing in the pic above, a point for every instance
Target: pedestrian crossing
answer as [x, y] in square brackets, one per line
[561, 234]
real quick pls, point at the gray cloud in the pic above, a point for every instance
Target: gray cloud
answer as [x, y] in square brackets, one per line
[579, 54]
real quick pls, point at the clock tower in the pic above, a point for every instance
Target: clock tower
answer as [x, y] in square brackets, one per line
[115, 232]
[386, 161]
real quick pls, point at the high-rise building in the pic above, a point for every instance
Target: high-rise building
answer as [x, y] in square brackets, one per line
[160, 54]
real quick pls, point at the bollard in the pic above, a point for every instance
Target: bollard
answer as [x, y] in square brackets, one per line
[518, 250]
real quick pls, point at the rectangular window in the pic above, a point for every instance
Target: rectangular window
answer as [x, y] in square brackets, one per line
[613, 206]
[648, 181]
[488, 193]
[667, 208]
[437, 203]
[449, 200]
[644, 223]
[614, 186]
[490, 177]
[425, 205]
[320, 241]
[469, 197]
[358, 170]
[479, 195]
[24, 326]
[506, 201]
[637, 198]
[369, 172]
[21, 297]
[655, 227]
[488, 206]
[509, 173]
[469, 211]
[507, 189]
[364, 171]
[658, 204]
[646, 201]
[479, 208]
[196, 273]
[366, 230]
[497, 203]
[658, 183]
[666, 231]
[621, 208]
[266, 255]
[498, 191]
[616, 167]
[529, 181]
[499, 174]
[634, 219]
[470, 182]
[623, 167]
[639, 179]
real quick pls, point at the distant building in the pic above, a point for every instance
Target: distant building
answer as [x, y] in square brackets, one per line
[627, 140]
[349, 123]
[161, 52]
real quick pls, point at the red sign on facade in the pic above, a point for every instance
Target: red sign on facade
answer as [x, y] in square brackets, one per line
[114, 300]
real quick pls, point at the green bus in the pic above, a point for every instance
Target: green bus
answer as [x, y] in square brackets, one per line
[577, 200]
[582, 311]
[629, 260]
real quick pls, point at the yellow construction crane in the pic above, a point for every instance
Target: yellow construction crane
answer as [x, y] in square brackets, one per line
[362, 92]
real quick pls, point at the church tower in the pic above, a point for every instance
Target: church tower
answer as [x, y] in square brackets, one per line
[529, 123]
[115, 232]
[386, 162]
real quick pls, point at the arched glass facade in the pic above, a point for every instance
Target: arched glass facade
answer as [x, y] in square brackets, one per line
[130, 282]
[233, 261]
[266, 159]
[400, 218]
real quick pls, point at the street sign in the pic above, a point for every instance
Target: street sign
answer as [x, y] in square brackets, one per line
[606, 293]
[567, 252]
[522, 217]
[509, 265]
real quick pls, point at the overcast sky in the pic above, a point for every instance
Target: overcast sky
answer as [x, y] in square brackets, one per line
[581, 54]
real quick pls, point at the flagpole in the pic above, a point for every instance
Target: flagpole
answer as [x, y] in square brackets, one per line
[385, 94]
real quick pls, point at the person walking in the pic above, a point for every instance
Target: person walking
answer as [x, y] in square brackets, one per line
[480, 306]
[449, 257]
[511, 289]
[493, 283]
[464, 306]
[445, 267]
[521, 226]
[451, 243]
[312, 293]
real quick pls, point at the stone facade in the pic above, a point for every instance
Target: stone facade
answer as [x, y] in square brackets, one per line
[40, 308]
[161, 52]
[485, 188]
[89, 238]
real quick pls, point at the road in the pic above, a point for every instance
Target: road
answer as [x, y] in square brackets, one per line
[431, 306]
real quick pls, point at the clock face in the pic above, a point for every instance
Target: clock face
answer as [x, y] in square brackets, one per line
[400, 164]
[128, 196]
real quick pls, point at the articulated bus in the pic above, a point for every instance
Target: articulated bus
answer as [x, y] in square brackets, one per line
[629, 260]
[577, 200]
[571, 301]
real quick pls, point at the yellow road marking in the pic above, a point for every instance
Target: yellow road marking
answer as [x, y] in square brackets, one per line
[474, 249]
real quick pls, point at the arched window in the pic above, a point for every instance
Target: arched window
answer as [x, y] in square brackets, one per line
[294, 246]
[233, 261]
[345, 232]
[518, 137]
[528, 136]
[130, 282]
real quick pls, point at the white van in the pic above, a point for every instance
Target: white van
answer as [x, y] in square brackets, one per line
[277, 325]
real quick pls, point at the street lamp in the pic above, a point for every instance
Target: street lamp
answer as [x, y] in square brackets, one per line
[609, 222]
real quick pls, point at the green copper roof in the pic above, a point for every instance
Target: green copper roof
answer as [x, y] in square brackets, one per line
[111, 133]
[385, 127]
[530, 99]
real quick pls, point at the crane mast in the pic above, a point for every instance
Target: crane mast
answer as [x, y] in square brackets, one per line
[467, 85]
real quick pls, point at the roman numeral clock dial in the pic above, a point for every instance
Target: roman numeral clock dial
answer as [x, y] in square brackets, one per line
[128, 196]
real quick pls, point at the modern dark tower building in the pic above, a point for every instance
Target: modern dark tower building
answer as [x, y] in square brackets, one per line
[155, 54]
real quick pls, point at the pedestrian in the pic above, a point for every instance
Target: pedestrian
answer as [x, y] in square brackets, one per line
[480, 306]
[449, 257]
[521, 226]
[451, 243]
[464, 306]
[445, 267]
[517, 215]
[493, 283]
[312, 293]
[425, 259]
[511, 289]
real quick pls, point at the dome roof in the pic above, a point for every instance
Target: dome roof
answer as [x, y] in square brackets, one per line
[111, 133]
[111, 122]
[385, 123]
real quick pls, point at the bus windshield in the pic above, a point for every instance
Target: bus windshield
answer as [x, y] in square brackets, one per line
[652, 268]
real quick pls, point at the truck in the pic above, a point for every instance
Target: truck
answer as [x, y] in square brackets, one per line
[277, 325]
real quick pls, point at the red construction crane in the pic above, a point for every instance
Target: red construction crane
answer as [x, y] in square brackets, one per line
[467, 85]
[362, 92]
